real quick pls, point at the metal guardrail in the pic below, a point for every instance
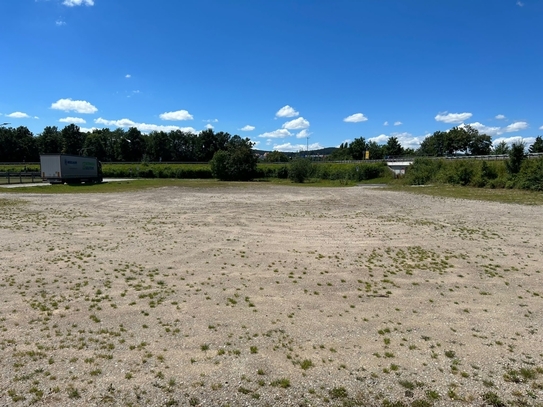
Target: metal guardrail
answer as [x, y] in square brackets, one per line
[19, 177]
[489, 157]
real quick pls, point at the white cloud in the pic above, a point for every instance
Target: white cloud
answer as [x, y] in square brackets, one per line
[116, 123]
[128, 76]
[356, 118]
[380, 139]
[398, 123]
[520, 3]
[71, 3]
[144, 127]
[286, 111]
[385, 124]
[209, 126]
[517, 126]
[288, 147]
[247, 128]
[79, 106]
[75, 120]
[452, 117]
[303, 134]
[510, 140]
[500, 117]
[280, 133]
[407, 140]
[296, 124]
[60, 23]
[87, 129]
[481, 128]
[18, 115]
[177, 115]
[211, 121]
[541, 128]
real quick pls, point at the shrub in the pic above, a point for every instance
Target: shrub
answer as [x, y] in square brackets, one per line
[300, 170]
[516, 156]
[234, 164]
[422, 171]
[266, 170]
[531, 175]
[165, 170]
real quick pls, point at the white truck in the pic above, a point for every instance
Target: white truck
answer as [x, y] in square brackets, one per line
[70, 169]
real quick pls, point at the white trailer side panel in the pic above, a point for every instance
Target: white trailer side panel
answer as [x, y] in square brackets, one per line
[78, 167]
[63, 168]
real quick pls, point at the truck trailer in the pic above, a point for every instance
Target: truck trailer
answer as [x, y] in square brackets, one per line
[70, 169]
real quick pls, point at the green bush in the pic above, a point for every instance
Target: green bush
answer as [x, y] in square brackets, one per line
[423, 171]
[235, 164]
[181, 171]
[492, 174]
[458, 172]
[530, 175]
[350, 172]
[517, 155]
[265, 170]
[300, 170]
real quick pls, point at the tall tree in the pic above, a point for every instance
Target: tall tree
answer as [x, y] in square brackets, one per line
[72, 140]
[17, 145]
[517, 154]
[501, 148]
[458, 138]
[96, 145]
[393, 147]
[537, 147]
[133, 146]
[358, 148]
[480, 144]
[376, 151]
[434, 145]
[184, 146]
[210, 143]
[159, 147]
[27, 144]
[50, 140]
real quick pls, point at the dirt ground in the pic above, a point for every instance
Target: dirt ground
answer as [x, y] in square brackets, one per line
[269, 295]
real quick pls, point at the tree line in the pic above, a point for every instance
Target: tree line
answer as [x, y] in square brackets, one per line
[119, 145]
[464, 140]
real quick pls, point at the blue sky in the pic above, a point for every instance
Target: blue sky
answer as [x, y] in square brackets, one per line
[276, 71]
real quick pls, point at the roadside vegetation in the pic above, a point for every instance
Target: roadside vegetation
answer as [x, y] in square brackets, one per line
[516, 172]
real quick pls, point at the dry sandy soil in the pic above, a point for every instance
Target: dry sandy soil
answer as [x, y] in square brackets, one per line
[269, 295]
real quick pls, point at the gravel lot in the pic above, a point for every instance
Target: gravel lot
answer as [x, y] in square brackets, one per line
[252, 294]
